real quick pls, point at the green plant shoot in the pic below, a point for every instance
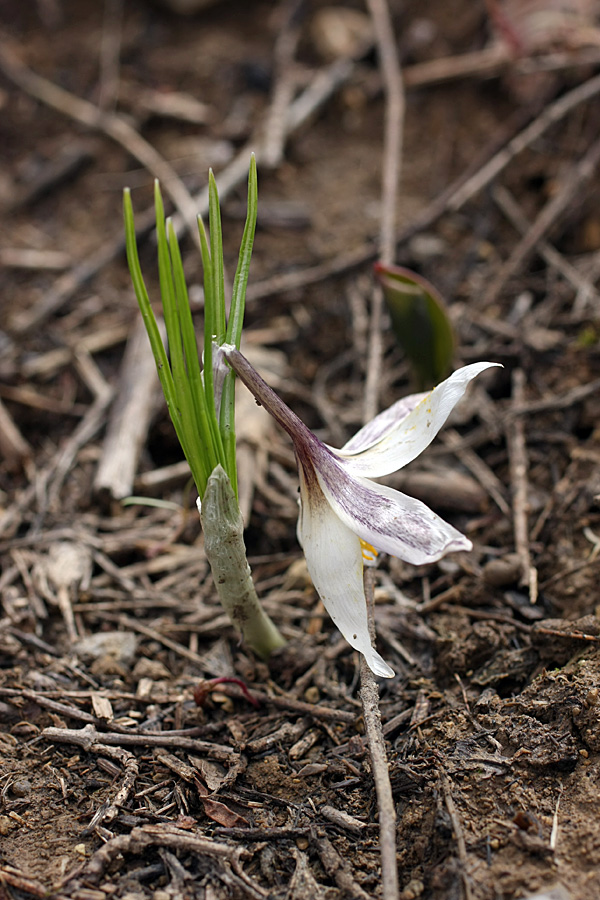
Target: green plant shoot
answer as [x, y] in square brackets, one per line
[420, 323]
[202, 407]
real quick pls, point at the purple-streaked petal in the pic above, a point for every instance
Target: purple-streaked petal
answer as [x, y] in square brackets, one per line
[392, 522]
[414, 431]
[381, 425]
[334, 559]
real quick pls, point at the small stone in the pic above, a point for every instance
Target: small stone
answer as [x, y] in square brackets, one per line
[80, 849]
[150, 668]
[338, 32]
[312, 694]
[427, 246]
[6, 825]
[144, 689]
[502, 572]
[120, 645]
[21, 788]
[413, 889]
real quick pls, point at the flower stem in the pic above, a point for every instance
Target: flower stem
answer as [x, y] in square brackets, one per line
[225, 550]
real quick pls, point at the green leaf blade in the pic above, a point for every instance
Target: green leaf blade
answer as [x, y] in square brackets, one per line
[420, 322]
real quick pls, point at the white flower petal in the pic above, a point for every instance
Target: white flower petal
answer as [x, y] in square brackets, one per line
[414, 431]
[392, 522]
[334, 559]
[381, 425]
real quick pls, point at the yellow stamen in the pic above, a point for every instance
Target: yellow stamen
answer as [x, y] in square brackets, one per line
[369, 553]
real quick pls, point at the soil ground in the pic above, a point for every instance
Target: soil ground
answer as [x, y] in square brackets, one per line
[115, 782]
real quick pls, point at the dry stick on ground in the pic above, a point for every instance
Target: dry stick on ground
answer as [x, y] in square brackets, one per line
[283, 92]
[111, 124]
[517, 455]
[13, 877]
[458, 833]
[482, 472]
[492, 61]
[13, 447]
[29, 258]
[291, 704]
[515, 215]
[322, 87]
[87, 428]
[61, 709]
[130, 417]
[578, 176]
[110, 810]
[88, 736]
[49, 363]
[551, 404]
[392, 151]
[454, 197]
[164, 835]
[153, 634]
[337, 867]
[552, 114]
[65, 165]
[393, 135]
[45, 487]
[110, 52]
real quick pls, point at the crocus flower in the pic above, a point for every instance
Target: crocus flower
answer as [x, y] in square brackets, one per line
[344, 515]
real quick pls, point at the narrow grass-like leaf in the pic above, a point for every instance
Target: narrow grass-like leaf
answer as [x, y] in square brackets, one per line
[210, 316]
[158, 349]
[236, 321]
[238, 300]
[202, 413]
[216, 255]
[185, 418]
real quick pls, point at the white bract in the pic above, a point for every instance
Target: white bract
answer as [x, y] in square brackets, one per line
[341, 509]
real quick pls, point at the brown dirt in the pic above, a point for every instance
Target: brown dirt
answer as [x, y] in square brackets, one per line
[493, 720]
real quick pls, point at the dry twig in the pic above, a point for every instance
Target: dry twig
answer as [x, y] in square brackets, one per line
[517, 454]
[458, 833]
[13, 447]
[551, 115]
[576, 179]
[336, 867]
[111, 124]
[283, 62]
[88, 737]
[110, 810]
[169, 836]
[130, 416]
[392, 151]
[394, 119]
[493, 61]
[513, 212]
[325, 83]
[482, 472]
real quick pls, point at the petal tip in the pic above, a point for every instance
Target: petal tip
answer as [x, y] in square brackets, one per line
[378, 665]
